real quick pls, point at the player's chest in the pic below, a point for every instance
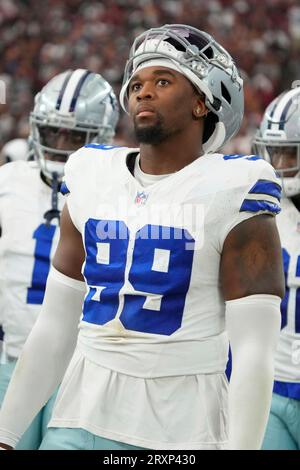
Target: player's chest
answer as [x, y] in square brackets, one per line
[175, 203]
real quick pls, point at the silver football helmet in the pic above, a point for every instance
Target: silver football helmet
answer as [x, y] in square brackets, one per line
[205, 63]
[278, 138]
[78, 104]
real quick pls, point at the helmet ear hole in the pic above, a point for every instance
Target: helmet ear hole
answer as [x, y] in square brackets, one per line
[225, 93]
[209, 125]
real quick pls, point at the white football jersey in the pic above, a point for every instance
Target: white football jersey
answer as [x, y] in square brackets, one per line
[153, 317]
[26, 247]
[288, 352]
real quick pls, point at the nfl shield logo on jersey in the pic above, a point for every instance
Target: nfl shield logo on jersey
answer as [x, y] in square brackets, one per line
[141, 198]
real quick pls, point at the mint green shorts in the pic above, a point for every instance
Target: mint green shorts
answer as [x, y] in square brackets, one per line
[283, 429]
[79, 439]
[33, 437]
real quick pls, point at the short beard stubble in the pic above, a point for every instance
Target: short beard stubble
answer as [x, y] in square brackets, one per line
[154, 134]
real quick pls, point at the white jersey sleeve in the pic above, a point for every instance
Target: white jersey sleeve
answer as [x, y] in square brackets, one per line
[254, 189]
[80, 171]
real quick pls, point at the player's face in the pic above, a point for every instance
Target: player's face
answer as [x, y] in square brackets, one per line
[61, 139]
[284, 159]
[160, 102]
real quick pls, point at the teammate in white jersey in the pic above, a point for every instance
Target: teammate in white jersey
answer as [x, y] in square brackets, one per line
[278, 140]
[74, 108]
[13, 151]
[164, 251]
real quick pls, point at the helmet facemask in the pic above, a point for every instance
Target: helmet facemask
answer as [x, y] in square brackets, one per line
[285, 158]
[46, 138]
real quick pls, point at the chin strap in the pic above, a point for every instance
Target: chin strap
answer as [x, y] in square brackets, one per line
[53, 213]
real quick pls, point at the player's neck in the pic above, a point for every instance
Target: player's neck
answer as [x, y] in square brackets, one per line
[168, 156]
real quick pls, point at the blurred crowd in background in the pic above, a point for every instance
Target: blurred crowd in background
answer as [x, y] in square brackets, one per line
[39, 39]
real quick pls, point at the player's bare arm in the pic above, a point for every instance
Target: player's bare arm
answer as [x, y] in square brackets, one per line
[70, 254]
[251, 261]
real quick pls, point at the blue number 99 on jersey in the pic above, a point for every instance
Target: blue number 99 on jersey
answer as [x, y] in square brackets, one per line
[142, 278]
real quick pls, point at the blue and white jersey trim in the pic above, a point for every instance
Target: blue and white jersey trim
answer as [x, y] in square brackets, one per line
[260, 206]
[102, 146]
[263, 197]
[268, 188]
[238, 156]
[64, 189]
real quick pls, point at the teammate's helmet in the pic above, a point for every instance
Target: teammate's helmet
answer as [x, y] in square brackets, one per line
[30, 154]
[78, 102]
[205, 63]
[279, 132]
[14, 150]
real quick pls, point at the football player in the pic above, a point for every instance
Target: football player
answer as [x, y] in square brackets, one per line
[73, 109]
[278, 141]
[14, 150]
[167, 250]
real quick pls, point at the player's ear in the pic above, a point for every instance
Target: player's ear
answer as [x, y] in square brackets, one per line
[199, 109]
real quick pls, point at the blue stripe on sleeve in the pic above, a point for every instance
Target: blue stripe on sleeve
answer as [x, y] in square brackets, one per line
[266, 187]
[64, 189]
[251, 205]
